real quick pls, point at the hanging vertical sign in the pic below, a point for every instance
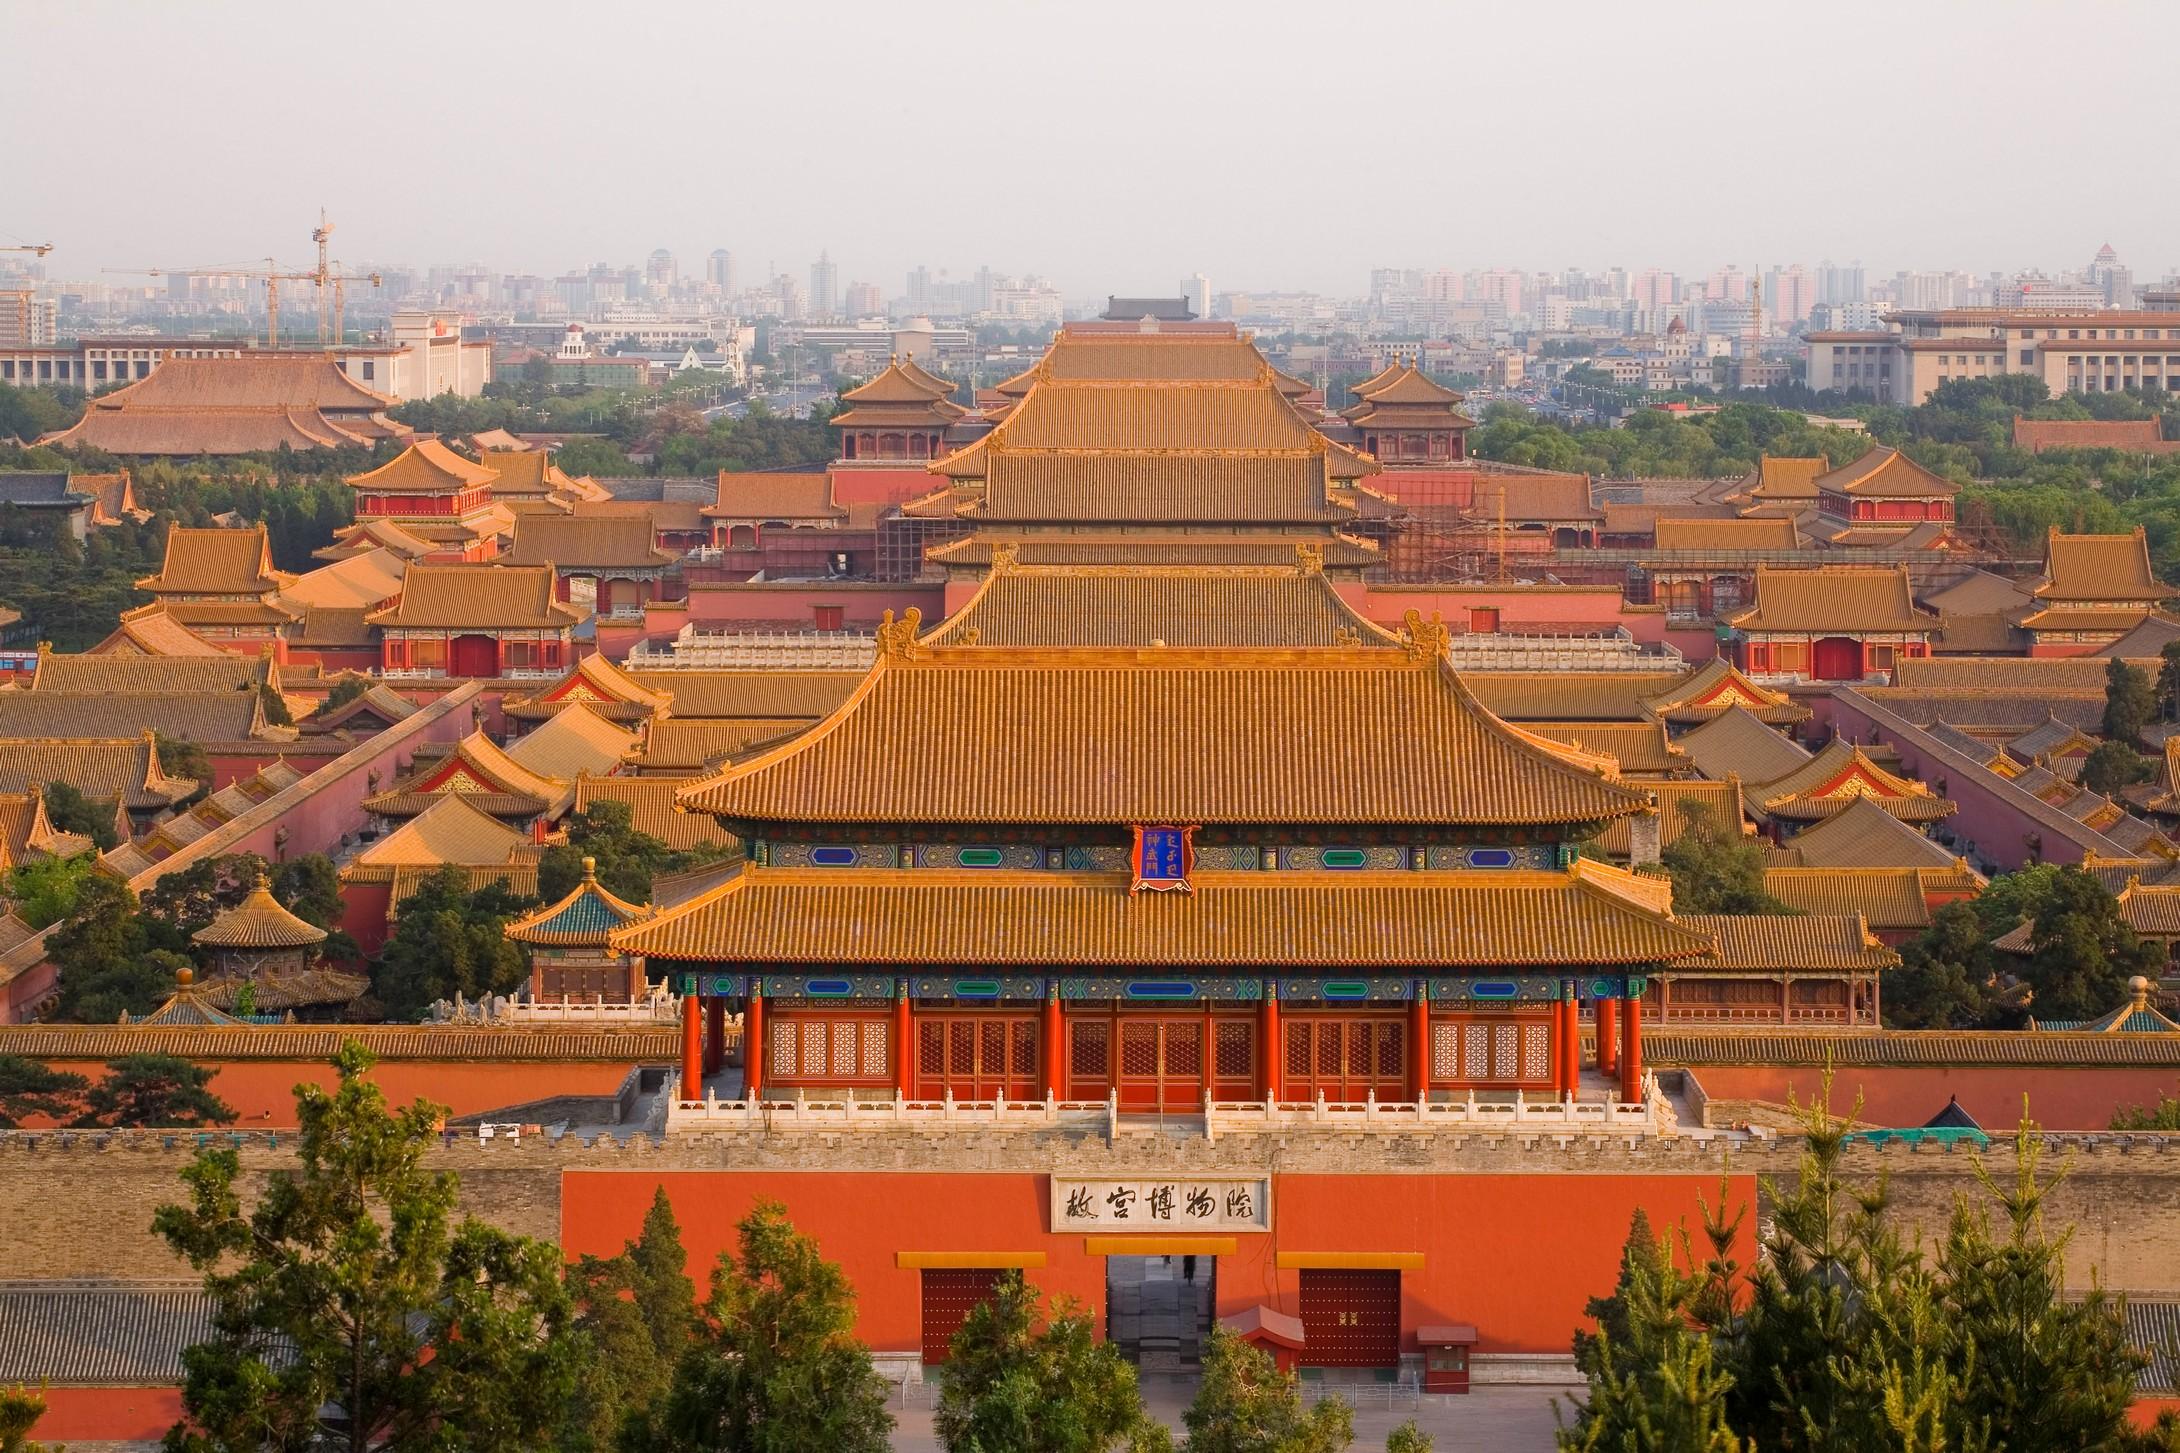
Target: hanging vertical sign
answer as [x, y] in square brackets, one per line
[1164, 856]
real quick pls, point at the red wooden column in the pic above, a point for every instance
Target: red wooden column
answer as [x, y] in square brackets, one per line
[692, 1048]
[1608, 1029]
[904, 1042]
[1055, 1043]
[1270, 1050]
[1570, 1042]
[753, 1041]
[715, 1034]
[1631, 1050]
[1204, 1066]
[1419, 1042]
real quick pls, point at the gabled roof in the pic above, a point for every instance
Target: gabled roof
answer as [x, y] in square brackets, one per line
[1049, 736]
[26, 832]
[1717, 686]
[1569, 695]
[1405, 398]
[522, 472]
[784, 497]
[584, 918]
[570, 542]
[215, 562]
[363, 579]
[2146, 641]
[598, 683]
[1796, 942]
[1845, 598]
[2052, 736]
[119, 673]
[2099, 567]
[901, 382]
[1865, 835]
[478, 770]
[1723, 801]
[1140, 605]
[374, 534]
[1774, 532]
[126, 769]
[1640, 747]
[576, 740]
[1738, 743]
[425, 467]
[1886, 473]
[1841, 775]
[498, 439]
[1356, 920]
[153, 633]
[652, 810]
[1888, 899]
[449, 832]
[2137, 436]
[187, 1006]
[1784, 478]
[483, 597]
[379, 707]
[258, 921]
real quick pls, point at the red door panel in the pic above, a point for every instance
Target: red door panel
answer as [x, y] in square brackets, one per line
[1350, 1318]
[949, 1296]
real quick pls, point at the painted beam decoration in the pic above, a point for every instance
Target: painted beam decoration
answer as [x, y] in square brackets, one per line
[1162, 1204]
[1164, 856]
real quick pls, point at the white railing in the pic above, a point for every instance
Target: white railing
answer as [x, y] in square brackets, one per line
[646, 1011]
[1650, 1115]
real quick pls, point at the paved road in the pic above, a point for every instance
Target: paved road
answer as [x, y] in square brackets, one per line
[1495, 1420]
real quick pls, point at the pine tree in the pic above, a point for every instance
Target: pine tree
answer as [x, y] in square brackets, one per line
[638, 1310]
[1245, 1404]
[2130, 701]
[1012, 1387]
[20, 1409]
[1654, 1386]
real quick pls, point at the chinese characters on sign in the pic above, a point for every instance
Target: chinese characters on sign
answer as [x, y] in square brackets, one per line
[1163, 858]
[1178, 1204]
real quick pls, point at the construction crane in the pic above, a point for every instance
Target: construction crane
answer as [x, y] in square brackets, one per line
[269, 274]
[41, 248]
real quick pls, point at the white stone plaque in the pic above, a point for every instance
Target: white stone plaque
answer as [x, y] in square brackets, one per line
[1162, 1204]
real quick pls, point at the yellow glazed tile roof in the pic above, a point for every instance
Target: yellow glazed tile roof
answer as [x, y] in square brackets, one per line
[258, 921]
[2098, 567]
[1714, 687]
[1791, 941]
[1887, 898]
[1140, 605]
[482, 597]
[427, 467]
[1833, 598]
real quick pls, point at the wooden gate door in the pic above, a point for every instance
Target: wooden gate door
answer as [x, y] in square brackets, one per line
[978, 1057]
[1346, 1059]
[1836, 658]
[1161, 1064]
[949, 1296]
[1349, 1318]
[473, 656]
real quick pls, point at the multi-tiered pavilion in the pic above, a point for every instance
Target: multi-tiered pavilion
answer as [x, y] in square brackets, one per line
[1156, 818]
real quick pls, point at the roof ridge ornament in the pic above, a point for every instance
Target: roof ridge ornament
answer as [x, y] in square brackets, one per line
[1006, 555]
[1309, 557]
[897, 639]
[1426, 641]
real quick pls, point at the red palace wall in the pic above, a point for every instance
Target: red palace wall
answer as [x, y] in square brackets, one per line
[2070, 1098]
[77, 1415]
[1518, 1256]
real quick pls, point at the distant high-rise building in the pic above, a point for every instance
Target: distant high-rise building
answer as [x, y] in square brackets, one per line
[824, 286]
[1653, 291]
[660, 269]
[2114, 279]
[919, 289]
[864, 300]
[27, 320]
[719, 270]
[1197, 289]
[1789, 293]
[1840, 283]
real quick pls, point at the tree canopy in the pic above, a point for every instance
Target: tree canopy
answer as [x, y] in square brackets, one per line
[1715, 869]
[449, 940]
[1056, 1389]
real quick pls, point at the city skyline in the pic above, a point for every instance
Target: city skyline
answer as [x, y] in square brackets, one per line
[1107, 156]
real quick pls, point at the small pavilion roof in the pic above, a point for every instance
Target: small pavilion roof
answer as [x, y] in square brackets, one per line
[258, 921]
[1739, 743]
[2099, 567]
[1088, 735]
[1588, 914]
[450, 832]
[585, 918]
[1841, 775]
[1784, 478]
[2137, 1016]
[1833, 598]
[187, 1006]
[480, 771]
[481, 597]
[1886, 473]
[599, 684]
[901, 382]
[215, 561]
[523, 473]
[425, 467]
[1717, 685]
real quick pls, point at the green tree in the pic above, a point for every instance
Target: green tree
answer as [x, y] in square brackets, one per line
[1654, 1386]
[2168, 682]
[776, 1367]
[351, 1313]
[99, 952]
[627, 860]
[43, 890]
[1245, 1404]
[447, 941]
[346, 688]
[2130, 702]
[1715, 870]
[1408, 1438]
[2081, 951]
[2164, 1116]
[181, 757]
[154, 1091]
[70, 811]
[20, 1409]
[638, 1311]
[2113, 765]
[1945, 979]
[29, 1089]
[1011, 1386]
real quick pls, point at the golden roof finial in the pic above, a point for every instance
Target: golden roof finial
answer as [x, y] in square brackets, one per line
[897, 639]
[1005, 556]
[1426, 641]
[1309, 558]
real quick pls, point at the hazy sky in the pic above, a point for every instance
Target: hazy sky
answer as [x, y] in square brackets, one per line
[1111, 145]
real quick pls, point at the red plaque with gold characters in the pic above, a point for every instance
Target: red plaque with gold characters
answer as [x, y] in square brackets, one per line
[1164, 857]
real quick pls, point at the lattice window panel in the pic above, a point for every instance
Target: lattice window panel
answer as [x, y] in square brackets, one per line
[1139, 1050]
[1022, 1041]
[1445, 1052]
[1358, 1049]
[1389, 1057]
[992, 1047]
[784, 1058]
[961, 1047]
[1184, 1049]
[1505, 1061]
[1477, 1047]
[874, 1048]
[844, 1047]
[1090, 1050]
[813, 1048]
[1230, 1059]
[931, 1049]
[1536, 1052]
[1298, 1049]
